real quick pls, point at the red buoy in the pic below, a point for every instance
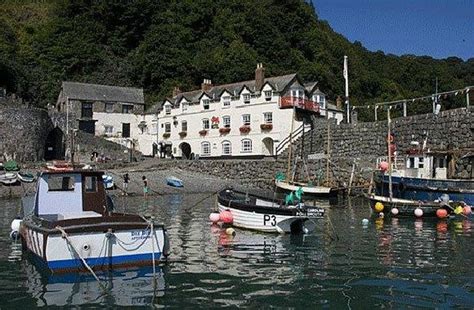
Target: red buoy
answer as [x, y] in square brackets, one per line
[226, 217]
[441, 213]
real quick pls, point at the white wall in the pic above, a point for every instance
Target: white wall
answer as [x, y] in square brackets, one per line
[257, 107]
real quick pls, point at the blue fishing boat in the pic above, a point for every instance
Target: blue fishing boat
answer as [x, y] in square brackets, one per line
[426, 177]
[174, 181]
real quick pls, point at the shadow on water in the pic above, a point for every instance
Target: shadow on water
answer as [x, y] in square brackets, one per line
[389, 262]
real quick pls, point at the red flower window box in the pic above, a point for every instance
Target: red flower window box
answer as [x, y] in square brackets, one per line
[183, 134]
[224, 130]
[166, 135]
[203, 132]
[266, 126]
[244, 129]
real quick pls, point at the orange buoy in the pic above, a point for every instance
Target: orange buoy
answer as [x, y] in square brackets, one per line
[383, 166]
[441, 213]
[226, 217]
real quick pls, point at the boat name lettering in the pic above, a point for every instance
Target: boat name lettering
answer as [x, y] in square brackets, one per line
[269, 218]
[139, 234]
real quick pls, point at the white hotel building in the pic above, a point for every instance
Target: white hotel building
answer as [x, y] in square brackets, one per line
[244, 119]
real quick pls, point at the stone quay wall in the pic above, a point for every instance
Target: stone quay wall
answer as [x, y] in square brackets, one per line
[350, 144]
[23, 132]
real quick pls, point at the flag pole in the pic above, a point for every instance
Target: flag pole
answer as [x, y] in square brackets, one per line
[346, 78]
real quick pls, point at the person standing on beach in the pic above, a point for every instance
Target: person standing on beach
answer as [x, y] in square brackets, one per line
[126, 180]
[145, 186]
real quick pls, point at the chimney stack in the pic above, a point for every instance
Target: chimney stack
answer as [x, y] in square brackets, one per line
[206, 85]
[176, 91]
[259, 76]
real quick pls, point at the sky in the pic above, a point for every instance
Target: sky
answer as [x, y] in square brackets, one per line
[437, 28]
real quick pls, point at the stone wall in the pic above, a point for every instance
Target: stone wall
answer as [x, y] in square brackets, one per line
[359, 145]
[23, 132]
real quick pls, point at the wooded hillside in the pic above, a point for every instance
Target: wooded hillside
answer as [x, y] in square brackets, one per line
[161, 44]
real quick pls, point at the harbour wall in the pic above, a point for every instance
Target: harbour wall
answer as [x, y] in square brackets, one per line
[349, 144]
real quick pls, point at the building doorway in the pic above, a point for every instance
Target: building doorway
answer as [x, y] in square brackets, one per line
[267, 146]
[154, 149]
[54, 146]
[185, 150]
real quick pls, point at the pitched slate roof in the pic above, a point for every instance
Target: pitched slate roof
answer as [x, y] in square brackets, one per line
[95, 92]
[278, 83]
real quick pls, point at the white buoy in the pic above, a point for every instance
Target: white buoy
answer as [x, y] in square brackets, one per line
[230, 231]
[15, 225]
[418, 212]
[365, 222]
[394, 211]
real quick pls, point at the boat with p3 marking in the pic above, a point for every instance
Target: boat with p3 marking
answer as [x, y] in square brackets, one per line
[268, 215]
[70, 224]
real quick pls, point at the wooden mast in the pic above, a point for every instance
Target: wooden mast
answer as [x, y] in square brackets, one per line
[288, 171]
[389, 156]
[328, 153]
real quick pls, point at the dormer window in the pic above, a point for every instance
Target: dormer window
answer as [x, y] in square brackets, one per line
[205, 104]
[268, 95]
[246, 98]
[184, 106]
[226, 101]
[168, 109]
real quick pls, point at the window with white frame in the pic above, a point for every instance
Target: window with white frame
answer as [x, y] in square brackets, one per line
[246, 119]
[184, 126]
[246, 98]
[167, 109]
[226, 101]
[184, 106]
[205, 123]
[205, 104]
[167, 127]
[246, 146]
[268, 95]
[109, 107]
[226, 148]
[108, 129]
[297, 93]
[268, 117]
[226, 121]
[205, 148]
[154, 127]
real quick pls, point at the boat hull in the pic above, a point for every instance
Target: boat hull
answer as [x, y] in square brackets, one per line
[405, 207]
[308, 191]
[106, 247]
[267, 215]
[267, 222]
[425, 189]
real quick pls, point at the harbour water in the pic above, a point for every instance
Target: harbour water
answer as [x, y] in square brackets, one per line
[394, 263]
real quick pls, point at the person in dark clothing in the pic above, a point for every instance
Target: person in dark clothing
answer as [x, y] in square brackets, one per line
[126, 180]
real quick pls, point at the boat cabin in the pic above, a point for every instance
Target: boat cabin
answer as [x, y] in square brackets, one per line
[71, 194]
[426, 166]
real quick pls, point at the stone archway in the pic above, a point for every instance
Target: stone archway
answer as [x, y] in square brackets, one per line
[267, 146]
[185, 150]
[54, 145]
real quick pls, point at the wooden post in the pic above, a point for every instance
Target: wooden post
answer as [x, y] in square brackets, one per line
[467, 98]
[404, 109]
[350, 179]
[389, 156]
[288, 171]
[375, 111]
[328, 153]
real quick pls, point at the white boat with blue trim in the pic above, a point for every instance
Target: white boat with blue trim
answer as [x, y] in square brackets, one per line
[71, 225]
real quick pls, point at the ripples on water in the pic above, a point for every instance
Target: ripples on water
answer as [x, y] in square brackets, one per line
[395, 263]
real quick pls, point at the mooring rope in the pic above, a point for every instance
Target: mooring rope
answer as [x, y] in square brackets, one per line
[66, 237]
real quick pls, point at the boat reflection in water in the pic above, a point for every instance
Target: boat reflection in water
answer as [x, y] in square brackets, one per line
[131, 287]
